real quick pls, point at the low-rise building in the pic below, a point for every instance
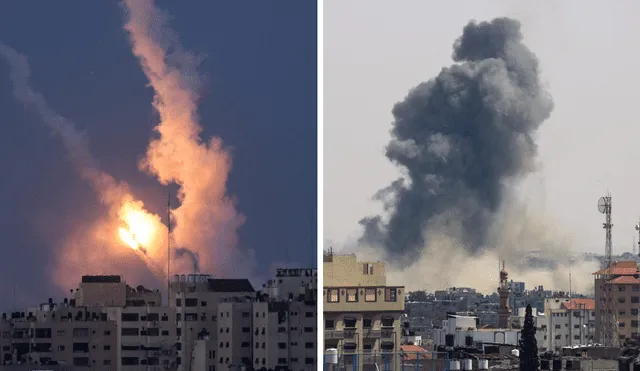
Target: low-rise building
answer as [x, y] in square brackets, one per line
[362, 315]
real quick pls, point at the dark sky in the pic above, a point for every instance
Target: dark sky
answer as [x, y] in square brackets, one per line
[261, 62]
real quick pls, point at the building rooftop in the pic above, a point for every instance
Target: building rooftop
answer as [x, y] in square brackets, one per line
[230, 285]
[578, 304]
[101, 279]
[411, 352]
[622, 268]
[625, 280]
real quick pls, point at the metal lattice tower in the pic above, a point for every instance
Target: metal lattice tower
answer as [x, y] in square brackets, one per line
[609, 325]
[605, 206]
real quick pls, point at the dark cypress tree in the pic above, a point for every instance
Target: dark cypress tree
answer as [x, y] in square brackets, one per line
[529, 360]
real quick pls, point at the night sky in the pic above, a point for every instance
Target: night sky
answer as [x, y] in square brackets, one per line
[260, 100]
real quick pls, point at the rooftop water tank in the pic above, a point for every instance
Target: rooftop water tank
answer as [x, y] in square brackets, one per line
[515, 352]
[483, 364]
[331, 356]
[467, 365]
[454, 365]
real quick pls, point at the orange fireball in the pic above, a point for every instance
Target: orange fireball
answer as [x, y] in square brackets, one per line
[139, 227]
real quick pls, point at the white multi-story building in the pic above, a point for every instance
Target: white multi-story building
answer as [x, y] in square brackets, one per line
[461, 331]
[570, 322]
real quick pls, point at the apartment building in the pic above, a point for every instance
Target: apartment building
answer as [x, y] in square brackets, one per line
[195, 299]
[362, 315]
[209, 324]
[569, 322]
[617, 300]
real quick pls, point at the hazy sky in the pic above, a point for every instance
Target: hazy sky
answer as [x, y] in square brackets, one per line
[261, 101]
[375, 51]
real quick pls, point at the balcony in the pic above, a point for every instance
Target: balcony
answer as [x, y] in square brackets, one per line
[350, 334]
[387, 334]
[333, 335]
[371, 334]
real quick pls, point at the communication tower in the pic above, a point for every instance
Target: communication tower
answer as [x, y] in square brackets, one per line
[637, 229]
[609, 321]
[604, 206]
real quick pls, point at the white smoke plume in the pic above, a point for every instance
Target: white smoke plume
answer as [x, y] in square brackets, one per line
[520, 230]
[206, 221]
[94, 249]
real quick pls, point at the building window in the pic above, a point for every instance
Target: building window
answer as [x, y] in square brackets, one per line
[129, 331]
[130, 361]
[352, 295]
[370, 295]
[329, 324]
[333, 295]
[634, 311]
[367, 268]
[635, 288]
[622, 300]
[390, 294]
[622, 324]
[366, 322]
[349, 322]
[634, 300]
[129, 317]
[387, 321]
[634, 323]
[621, 288]
[178, 302]
[80, 332]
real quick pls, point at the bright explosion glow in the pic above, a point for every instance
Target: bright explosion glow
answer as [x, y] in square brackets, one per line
[140, 227]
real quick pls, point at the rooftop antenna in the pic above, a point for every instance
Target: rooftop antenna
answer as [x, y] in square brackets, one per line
[168, 246]
[570, 310]
[604, 207]
[634, 238]
[610, 323]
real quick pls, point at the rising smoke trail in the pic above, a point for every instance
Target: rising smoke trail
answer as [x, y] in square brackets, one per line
[461, 137]
[137, 228]
[206, 220]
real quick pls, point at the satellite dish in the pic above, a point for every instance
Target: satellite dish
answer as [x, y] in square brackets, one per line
[602, 205]
[637, 227]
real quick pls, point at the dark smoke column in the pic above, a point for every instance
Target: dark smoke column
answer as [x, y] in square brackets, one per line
[459, 137]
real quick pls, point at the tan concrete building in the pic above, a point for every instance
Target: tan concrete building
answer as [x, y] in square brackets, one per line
[362, 315]
[617, 300]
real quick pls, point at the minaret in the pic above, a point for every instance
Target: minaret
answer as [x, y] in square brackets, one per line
[503, 291]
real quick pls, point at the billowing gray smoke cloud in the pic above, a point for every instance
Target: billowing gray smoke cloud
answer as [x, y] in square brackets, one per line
[459, 138]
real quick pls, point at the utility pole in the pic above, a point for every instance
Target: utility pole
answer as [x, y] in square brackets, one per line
[570, 314]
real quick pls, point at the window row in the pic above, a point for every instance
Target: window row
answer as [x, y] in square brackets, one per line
[355, 294]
